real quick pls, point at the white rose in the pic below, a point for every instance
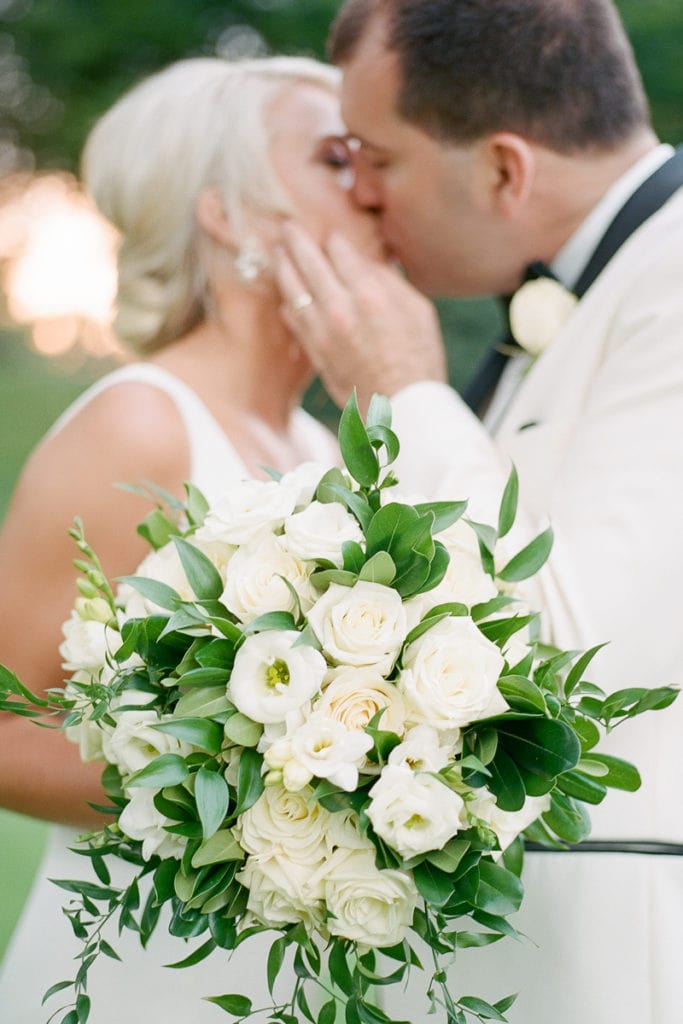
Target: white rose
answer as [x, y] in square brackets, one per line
[367, 905]
[86, 644]
[360, 625]
[281, 891]
[293, 824]
[465, 581]
[271, 677]
[425, 750]
[353, 696]
[320, 530]
[254, 583]
[142, 821]
[506, 824]
[538, 312]
[328, 750]
[248, 508]
[163, 566]
[413, 811]
[450, 674]
[89, 736]
[134, 742]
[301, 483]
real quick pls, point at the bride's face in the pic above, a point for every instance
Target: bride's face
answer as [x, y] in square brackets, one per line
[311, 157]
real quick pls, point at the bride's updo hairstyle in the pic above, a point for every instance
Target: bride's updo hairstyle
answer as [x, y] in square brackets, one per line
[200, 122]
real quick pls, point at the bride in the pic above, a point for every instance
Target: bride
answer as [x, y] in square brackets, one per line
[198, 167]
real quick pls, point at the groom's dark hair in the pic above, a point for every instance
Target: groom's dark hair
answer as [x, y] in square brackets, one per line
[560, 72]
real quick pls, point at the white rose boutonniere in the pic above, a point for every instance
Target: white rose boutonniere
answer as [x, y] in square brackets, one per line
[538, 311]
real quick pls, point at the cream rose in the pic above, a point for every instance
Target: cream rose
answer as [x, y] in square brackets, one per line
[413, 812]
[301, 483]
[465, 581]
[271, 677]
[248, 508]
[360, 625]
[293, 824]
[163, 566]
[367, 905]
[255, 586]
[282, 891]
[320, 530]
[353, 696]
[450, 674]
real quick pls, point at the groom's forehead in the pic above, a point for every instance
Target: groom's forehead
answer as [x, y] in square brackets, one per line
[371, 81]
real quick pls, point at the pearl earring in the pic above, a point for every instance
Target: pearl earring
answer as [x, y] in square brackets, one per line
[249, 262]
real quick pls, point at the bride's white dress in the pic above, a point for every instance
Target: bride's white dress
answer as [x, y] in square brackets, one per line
[140, 990]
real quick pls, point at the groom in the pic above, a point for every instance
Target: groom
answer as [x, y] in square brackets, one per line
[493, 135]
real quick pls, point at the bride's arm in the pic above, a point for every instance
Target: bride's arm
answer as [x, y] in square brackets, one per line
[131, 432]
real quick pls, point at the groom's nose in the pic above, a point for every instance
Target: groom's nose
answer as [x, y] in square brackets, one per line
[366, 189]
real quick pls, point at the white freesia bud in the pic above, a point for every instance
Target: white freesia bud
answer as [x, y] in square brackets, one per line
[93, 608]
[255, 585]
[249, 508]
[538, 312]
[320, 530]
[360, 625]
[272, 677]
[367, 905]
[142, 821]
[328, 750]
[295, 777]
[450, 675]
[425, 750]
[353, 696]
[278, 754]
[413, 811]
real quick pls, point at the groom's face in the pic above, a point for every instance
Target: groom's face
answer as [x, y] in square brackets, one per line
[430, 195]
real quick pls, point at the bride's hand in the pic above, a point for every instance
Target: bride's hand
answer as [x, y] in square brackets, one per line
[360, 322]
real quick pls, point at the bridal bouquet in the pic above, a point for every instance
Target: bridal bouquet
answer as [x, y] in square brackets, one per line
[325, 712]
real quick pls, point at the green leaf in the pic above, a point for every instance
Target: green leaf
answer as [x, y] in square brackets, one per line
[353, 556]
[450, 856]
[541, 746]
[276, 958]
[339, 968]
[506, 782]
[157, 529]
[379, 568]
[322, 579]
[383, 436]
[379, 412]
[159, 593]
[434, 885]
[620, 774]
[213, 797]
[356, 503]
[202, 574]
[195, 957]
[356, 448]
[445, 512]
[198, 732]
[219, 848]
[635, 700]
[568, 819]
[238, 1006]
[283, 621]
[508, 504]
[242, 730]
[576, 674]
[499, 891]
[529, 560]
[166, 770]
[249, 780]
[332, 478]
[482, 1009]
[582, 787]
[522, 695]
[203, 702]
[328, 1012]
[197, 505]
[204, 677]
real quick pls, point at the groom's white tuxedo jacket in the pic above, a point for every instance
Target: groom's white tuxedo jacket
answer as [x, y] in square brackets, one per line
[595, 430]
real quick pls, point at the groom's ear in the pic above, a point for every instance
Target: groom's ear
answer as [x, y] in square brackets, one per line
[212, 218]
[512, 165]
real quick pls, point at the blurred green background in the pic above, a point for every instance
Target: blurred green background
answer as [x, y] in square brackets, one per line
[62, 62]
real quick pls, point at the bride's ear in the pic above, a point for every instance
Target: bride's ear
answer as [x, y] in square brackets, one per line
[212, 218]
[512, 167]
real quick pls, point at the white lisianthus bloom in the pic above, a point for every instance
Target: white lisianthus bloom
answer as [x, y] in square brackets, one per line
[360, 625]
[367, 905]
[249, 508]
[353, 696]
[86, 644]
[281, 891]
[302, 482]
[506, 824]
[134, 742]
[293, 824]
[450, 674]
[413, 812]
[328, 750]
[142, 821]
[425, 750]
[538, 311]
[254, 584]
[320, 530]
[271, 677]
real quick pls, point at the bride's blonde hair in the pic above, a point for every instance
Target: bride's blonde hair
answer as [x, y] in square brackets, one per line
[198, 123]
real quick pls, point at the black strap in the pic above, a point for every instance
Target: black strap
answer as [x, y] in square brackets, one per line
[644, 202]
[641, 846]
